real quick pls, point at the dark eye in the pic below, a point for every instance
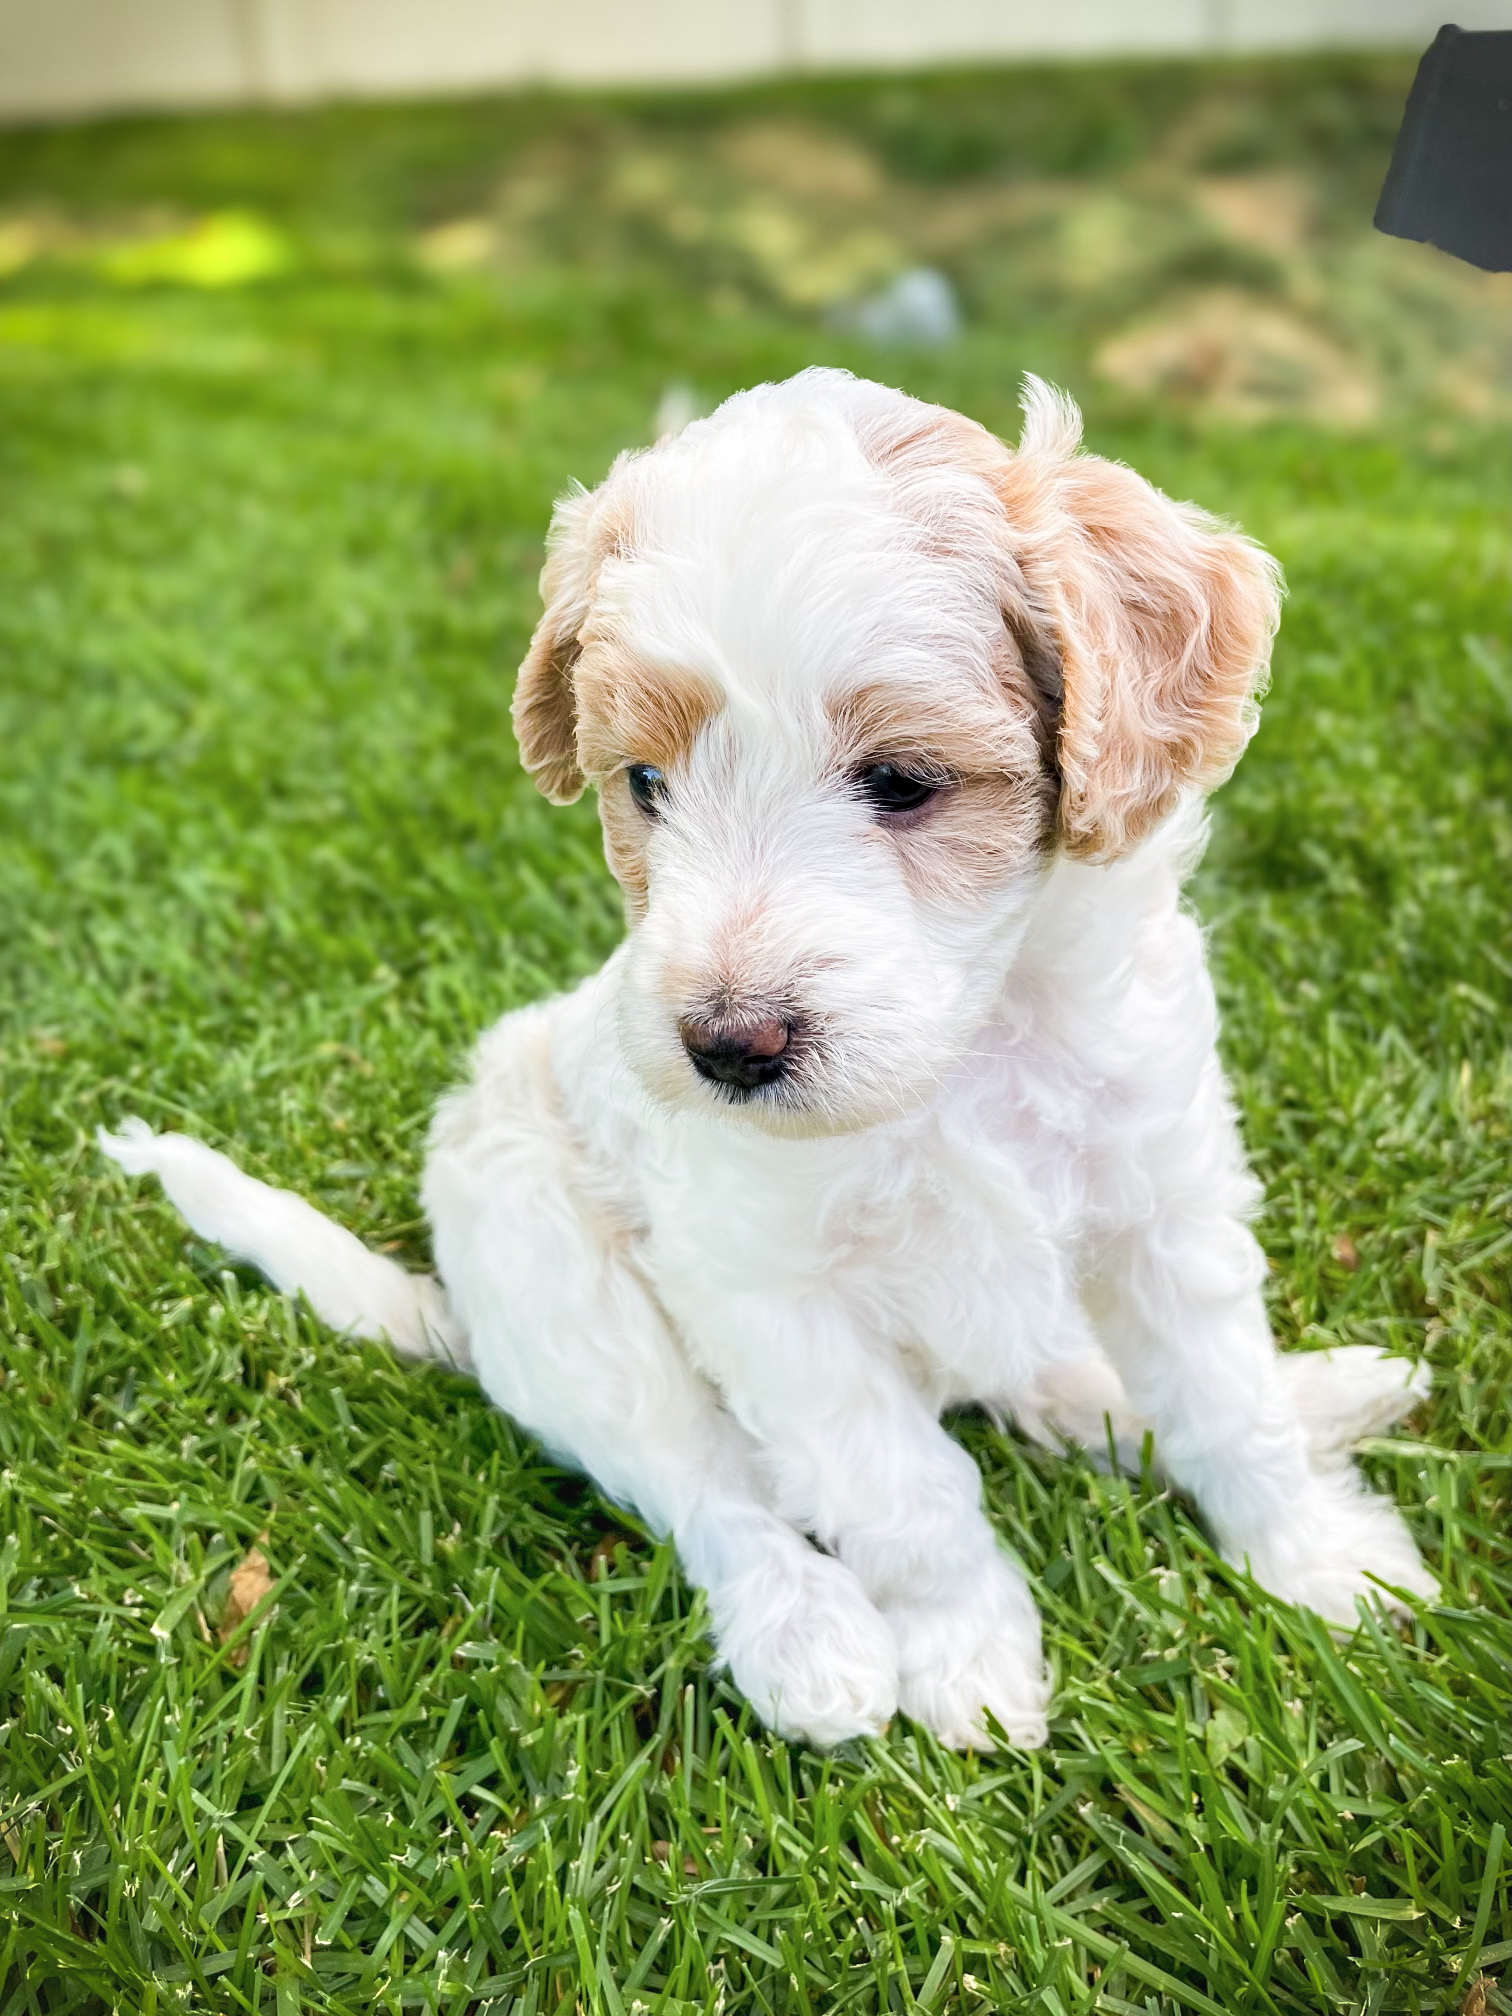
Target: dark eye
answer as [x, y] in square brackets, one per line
[890, 788]
[648, 787]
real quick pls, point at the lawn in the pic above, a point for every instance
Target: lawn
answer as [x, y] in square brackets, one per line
[286, 400]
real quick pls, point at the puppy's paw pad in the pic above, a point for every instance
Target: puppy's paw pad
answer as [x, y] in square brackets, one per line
[813, 1656]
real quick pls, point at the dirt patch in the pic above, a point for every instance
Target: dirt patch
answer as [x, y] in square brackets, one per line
[1240, 358]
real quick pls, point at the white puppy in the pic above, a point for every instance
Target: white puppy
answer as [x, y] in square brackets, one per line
[902, 1090]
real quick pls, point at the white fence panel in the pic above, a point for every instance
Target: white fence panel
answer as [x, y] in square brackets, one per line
[60, 57]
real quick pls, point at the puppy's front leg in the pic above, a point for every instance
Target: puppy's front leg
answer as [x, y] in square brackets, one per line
[568, 1339]
[1177, 1300]
[857, 1457]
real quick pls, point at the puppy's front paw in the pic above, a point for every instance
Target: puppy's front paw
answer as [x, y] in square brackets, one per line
[960, 1661]
[1337, 1551]
[809, 1651]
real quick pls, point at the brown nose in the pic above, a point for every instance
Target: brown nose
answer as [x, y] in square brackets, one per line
[740, 1054]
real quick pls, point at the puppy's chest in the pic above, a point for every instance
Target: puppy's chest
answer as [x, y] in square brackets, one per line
[935, 1238]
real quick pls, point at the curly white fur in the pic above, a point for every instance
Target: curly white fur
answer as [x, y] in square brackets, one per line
[1004, 1167]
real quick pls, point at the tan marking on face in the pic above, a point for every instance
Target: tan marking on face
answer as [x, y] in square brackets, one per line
[626, 832]
[631, 712]
[960, 731]
[973, 837]
[910, 443]
[994, 810]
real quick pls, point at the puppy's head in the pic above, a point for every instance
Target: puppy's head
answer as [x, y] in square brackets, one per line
[846, 672]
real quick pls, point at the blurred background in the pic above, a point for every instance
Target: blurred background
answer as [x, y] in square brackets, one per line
[1195, 232]
[92, 55]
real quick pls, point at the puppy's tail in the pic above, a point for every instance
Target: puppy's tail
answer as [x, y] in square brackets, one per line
[290, 1242]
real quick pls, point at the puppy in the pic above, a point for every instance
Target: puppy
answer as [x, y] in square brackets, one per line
[902, 1090]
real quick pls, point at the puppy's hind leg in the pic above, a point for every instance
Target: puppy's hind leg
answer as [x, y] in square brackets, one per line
[1178, 1304]
[1082, 1402]
[1352, 1391]
[1341, 1397]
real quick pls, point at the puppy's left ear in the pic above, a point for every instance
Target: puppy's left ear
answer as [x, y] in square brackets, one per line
[1164, 620]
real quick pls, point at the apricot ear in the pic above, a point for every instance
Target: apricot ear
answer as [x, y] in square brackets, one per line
[1164, 618]
[545, 697]
[545, 712]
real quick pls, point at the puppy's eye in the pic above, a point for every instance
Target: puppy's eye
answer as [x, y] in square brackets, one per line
[648, 787]
[890, 788]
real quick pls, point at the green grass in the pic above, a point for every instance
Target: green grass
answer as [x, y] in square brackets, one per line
[267, 866]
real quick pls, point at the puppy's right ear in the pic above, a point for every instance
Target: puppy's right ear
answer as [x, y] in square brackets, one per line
[545, 698]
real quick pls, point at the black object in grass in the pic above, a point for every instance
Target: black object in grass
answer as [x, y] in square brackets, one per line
[1450, 179]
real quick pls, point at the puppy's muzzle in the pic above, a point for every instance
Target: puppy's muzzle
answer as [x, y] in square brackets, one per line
[742, 1053]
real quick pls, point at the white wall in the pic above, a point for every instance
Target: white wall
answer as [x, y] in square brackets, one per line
[59, 57]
